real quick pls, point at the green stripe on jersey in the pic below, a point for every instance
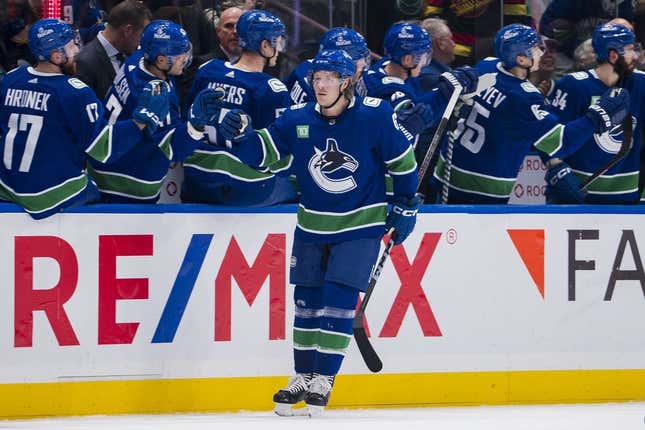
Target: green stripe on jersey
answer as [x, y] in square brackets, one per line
[317, 338]
[330, 222]
[101, 148]
[46, 199]
[389, 185]
[224, 163]
[271, 154]
[474, 182]
[125, 185]
[403, 164]
[281, 165]
[551, 141]
[611, 184]
[165, 145]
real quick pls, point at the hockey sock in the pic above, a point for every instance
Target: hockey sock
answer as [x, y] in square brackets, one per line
[335, 327]
[306, 327]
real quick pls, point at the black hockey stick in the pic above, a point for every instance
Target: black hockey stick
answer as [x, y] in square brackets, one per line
[366, 349]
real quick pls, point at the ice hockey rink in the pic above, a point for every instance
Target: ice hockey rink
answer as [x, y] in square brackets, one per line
[615, 416]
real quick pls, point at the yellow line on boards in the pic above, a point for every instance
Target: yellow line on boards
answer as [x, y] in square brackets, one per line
[351, 391]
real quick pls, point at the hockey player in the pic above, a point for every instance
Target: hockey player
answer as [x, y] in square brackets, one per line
[137, 177]
[52, 123]
[343, 38]
[617, 56]
[407, 50]
[507, 119]
[342, 213]
[214, 176]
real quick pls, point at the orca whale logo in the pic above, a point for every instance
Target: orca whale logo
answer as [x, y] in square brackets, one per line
[331, 160]
[611, 140]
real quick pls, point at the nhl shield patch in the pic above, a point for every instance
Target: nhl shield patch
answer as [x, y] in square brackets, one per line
[302, 131]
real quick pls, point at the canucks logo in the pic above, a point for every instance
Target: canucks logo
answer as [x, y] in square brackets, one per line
[331, 169]
[611, 140]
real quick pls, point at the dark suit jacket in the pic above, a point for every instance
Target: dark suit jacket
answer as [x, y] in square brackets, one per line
[93, 66]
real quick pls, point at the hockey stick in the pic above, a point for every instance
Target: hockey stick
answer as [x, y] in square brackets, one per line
[447, 168]
[366, 349]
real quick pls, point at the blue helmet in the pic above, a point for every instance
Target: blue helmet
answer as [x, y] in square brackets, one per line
[47, 35]
[166, 38]
[611, 36]
[514, 40]
[334, 60]
[404, 38]
[254, 26]
[348, 40]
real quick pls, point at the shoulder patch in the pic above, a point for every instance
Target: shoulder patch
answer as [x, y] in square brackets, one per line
[371, 101]
[529, 87]
[392, 80]
[76, 83]
[276, 85]
[579, 75]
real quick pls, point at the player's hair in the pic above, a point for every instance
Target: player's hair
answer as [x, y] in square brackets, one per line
[129, 12]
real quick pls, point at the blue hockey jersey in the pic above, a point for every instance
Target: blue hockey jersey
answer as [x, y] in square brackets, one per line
[340, 167]
[506, 121]
[300, 90]
[571, 97]
[212, 175]
[137, 177]
[379, 84]
[50, 123]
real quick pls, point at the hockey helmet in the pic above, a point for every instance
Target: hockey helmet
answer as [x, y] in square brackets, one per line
[611, 36]
[254, 26]
[404, 38]
[348, 40]
[162, 37]
[514, 40]
[47, 35]
[334, 60]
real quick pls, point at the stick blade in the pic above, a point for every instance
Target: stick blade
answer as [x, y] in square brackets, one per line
[370, 356]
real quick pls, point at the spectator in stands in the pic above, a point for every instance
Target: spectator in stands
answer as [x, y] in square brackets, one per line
[99, 61]
[20, 16]
[584, 56]
[443, 52]
[228, 48]
[571, 22]
[474, 23]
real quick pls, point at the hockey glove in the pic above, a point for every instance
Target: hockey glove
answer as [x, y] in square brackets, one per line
[415, 118]
[563, 186]
[402, 217]
[464, 77]
[235, 125]
[610, 109]
[154, 105]
[205, 108]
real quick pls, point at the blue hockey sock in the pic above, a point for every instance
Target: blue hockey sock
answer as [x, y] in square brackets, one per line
[335, 327]
[306, 327]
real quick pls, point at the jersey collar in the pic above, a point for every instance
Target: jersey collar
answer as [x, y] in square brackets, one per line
[37, 73]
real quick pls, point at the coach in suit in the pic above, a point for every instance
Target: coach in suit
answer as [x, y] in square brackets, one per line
[100, 60]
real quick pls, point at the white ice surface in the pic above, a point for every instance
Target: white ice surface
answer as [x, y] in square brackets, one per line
[620, 416]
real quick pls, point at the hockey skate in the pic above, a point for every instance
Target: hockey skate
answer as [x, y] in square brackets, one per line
[318, 394]
[293, 393]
